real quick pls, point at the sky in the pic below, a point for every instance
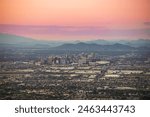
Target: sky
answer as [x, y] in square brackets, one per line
[76, 19]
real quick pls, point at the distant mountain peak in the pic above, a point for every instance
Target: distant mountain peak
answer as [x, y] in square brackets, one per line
[81, 43]
[14, 39]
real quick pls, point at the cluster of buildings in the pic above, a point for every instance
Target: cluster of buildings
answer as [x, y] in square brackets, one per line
[79, 60]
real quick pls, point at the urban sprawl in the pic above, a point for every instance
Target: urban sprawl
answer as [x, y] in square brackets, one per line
[76, 76]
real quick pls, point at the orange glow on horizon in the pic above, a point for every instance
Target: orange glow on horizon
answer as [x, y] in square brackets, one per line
[112, 14]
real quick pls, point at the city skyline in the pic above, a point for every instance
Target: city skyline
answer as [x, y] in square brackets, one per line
[75, 19]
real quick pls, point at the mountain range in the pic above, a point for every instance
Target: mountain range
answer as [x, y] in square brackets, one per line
[13, 40]
[132, 43]
[94, 47]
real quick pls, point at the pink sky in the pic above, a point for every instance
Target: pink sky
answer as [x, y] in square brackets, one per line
[76, 19]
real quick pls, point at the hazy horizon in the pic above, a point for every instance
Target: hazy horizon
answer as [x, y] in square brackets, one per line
[75, 40]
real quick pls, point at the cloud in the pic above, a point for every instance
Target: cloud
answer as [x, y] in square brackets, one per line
[45, 30]
[146, 23]
[48, 32]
